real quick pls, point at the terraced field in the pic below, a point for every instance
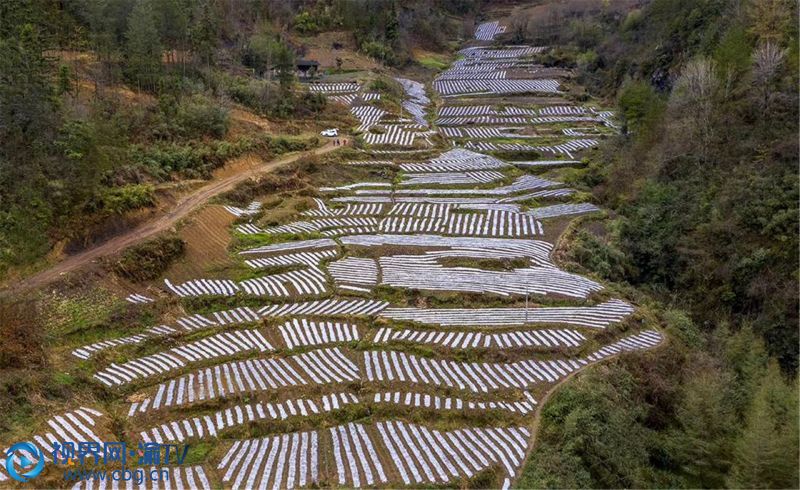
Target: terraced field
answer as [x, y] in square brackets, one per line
[399, 332]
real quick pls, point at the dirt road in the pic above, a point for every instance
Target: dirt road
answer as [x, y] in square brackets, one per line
[184, 206]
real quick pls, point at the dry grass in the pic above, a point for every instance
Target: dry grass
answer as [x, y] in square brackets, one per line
[207, 236]
[320, 48]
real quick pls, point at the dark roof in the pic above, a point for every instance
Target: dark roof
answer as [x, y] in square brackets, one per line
[306, 63]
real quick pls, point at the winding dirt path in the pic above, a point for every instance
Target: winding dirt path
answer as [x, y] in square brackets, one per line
[182, 208]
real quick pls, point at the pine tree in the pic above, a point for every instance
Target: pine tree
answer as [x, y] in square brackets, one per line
[29, 119]
[284, 65]
[64, 80]
[203, 34]
[766, 453]
[173, 23]
[143, 48]
[392, 31]
[707, 423]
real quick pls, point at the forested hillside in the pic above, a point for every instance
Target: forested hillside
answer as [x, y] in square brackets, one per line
[704, 181]
[101, 102]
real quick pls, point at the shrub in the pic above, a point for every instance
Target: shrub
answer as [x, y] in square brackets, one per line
[309, 103]
[305, 23]
[378, 50]
[640, 107]
[193, 160]
[150, 259]
[22, 335]
[269, 183]
[118, 200]
[387, 86]
[199, 116]
[597, 256]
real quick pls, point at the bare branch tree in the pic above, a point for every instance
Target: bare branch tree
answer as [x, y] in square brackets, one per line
[767, 61]
[693, 100]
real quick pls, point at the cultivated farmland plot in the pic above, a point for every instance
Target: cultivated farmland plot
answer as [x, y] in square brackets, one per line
[88, 350]
[417, 101]
[435, 402]
[286, 461]
[521, 184]
[455, 88]
[492, 247]
[454, 160]
[545, 163]
[209, 426]
[138, 299]
[510, 52]
[307, 281]
[425, 456]
[355, 210]
[510, 110]
[315, 341]
[182, 325]
[317, 367]
[311, 259]
[599, 316]
[394, 366]
[488, 30]
[347, 99]
[76, 425]
[481, 132]
[560, 149]
[368, 115]
[253, 208]
[303, 333]
[450, 178]
[178, 477]
[393, 134]
[365, 454]
[334, 88]
[563, 210]
[354, 271]
[394, 130]
[220, 345]
[282, 248]
[546, 338]
[425, 273]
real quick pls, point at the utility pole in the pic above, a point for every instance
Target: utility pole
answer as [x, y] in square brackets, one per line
[526, 305]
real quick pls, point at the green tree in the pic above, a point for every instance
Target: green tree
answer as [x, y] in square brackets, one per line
[29, 118]
[766, 453]
[707, 424]
[84, 158]
[284, 66]
[64, 82]
[204, 33]
[305, 23]
[732, 56]
[392, 31]
[143, 46]
[173, 25]
[591, 435]
[640, 107]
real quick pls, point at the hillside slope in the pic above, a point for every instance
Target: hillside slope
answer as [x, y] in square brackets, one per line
[534, 256]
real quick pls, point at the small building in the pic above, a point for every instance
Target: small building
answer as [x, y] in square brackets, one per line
[306, 68]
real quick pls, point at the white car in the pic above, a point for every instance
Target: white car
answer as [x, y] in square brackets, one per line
[330, 132]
